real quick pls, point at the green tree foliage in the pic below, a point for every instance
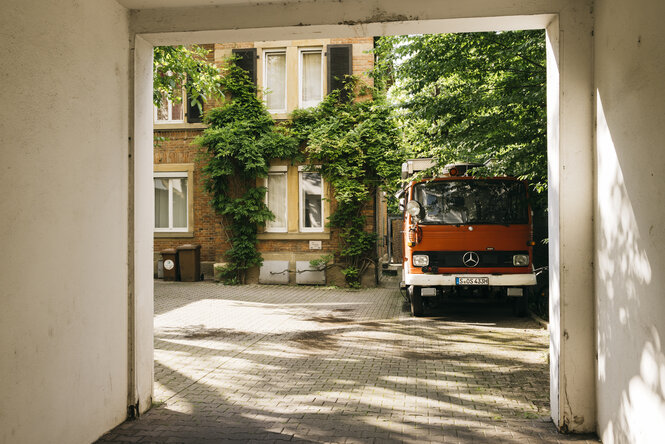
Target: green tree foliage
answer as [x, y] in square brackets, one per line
[175, 67]
[354, 144]
[471, 97]
[238, 145]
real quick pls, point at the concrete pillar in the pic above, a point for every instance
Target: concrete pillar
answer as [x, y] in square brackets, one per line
[570, 170]
[142, 206]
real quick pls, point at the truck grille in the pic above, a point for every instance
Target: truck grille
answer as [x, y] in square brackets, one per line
[487, 259]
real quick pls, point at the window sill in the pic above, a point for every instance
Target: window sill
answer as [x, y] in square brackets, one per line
[178, 126]
[173, 234]
[293, 236]
[279, 115]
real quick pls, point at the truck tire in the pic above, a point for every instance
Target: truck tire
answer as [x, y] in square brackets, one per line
[416, 300]
[521, 305]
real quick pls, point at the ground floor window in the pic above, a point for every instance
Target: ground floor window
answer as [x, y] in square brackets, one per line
[311, 201]
[277, 199]
[298, 199]
[170, 202]
[173, 198]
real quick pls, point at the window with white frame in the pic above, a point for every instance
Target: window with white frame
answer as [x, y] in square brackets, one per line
[171, 201]
[276, 199]
[311, 201]
[169, 111]
[311, 77]
[274, 82]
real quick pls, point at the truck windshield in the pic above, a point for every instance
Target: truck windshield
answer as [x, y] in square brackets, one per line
[475, 201]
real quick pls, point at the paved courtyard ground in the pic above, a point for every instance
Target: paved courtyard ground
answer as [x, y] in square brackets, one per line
[314, 365]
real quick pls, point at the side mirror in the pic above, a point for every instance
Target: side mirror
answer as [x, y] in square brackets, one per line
[415, 209]
[401, 204]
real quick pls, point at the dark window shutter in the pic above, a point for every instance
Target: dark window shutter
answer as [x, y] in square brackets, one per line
[247, 61]
[194, 114]
[340, 65]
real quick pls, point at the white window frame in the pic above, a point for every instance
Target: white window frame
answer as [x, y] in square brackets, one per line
[301, 209]
[170, 112]
[174, 175]
[286, 78]
[279, 170]
[301, 51]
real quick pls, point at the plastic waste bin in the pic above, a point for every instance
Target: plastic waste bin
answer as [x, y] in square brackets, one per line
[171, 266]
[189, 259]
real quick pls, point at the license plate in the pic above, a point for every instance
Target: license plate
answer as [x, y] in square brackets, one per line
[472, 281]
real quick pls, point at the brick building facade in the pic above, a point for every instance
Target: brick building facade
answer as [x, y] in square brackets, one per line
[284, 69]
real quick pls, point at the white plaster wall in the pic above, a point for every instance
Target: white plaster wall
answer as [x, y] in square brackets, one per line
[143, 229]
[63, 224]
[630, 216]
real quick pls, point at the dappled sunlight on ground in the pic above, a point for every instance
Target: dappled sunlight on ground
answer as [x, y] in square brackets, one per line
[330, 365]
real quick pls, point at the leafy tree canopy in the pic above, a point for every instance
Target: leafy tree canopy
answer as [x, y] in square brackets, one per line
[471, 97]
[175, 67]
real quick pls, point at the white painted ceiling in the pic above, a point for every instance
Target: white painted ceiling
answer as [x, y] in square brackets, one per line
[155, 4]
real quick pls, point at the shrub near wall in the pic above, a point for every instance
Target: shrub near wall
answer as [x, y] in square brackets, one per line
[353, 142]
[237, 148]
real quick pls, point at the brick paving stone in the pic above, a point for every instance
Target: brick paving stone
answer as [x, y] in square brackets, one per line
[275, 364]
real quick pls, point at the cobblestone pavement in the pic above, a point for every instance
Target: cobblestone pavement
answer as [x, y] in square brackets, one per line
[312, 365]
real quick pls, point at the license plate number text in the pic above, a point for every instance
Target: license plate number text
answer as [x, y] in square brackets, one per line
[472, 281]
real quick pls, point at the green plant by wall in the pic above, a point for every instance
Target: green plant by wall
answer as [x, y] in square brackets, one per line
[237, 147]
[353, 143]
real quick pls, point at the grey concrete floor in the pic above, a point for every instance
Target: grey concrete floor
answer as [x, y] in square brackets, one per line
[314, 365]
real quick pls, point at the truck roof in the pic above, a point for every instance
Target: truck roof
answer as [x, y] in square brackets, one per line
[452, 169]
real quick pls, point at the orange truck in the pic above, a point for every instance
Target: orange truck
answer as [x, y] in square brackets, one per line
[466, 235]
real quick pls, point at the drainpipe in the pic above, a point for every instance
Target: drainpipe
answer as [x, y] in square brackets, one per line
[376, 230]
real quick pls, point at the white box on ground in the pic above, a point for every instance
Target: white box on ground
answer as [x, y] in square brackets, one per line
[274, 272]
[306, 274]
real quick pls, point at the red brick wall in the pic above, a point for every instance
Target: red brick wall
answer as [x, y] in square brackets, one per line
[208, 233]
[208, 226]
[362, 61]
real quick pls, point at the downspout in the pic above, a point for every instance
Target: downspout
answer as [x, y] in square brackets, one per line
[376, 231]
[389, 237]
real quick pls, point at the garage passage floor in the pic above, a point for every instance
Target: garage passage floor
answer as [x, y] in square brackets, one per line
[276, 364]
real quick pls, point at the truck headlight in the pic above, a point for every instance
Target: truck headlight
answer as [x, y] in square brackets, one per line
[415, 209]
[521, 260]
[420, 260]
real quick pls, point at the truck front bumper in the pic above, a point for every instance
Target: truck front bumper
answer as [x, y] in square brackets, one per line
[448, 280]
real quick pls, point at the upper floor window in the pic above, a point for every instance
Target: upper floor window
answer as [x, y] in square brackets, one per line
[275, 80]
[171, 201]
[169, 112]
[311, 77]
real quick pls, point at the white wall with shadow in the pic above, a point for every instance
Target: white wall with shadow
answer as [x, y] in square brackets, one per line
[629, 217]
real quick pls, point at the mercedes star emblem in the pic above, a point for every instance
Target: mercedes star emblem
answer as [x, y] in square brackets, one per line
[470, 259]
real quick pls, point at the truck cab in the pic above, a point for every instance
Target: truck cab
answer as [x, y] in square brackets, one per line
[464, 233]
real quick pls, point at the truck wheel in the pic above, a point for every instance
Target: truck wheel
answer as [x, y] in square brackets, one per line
[521, 305]
[416, 300]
